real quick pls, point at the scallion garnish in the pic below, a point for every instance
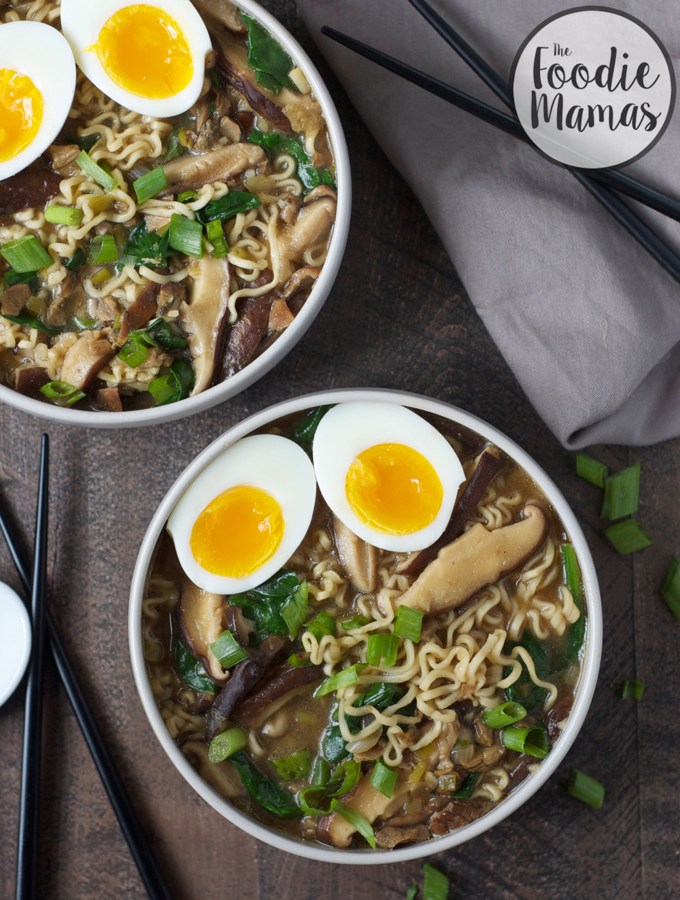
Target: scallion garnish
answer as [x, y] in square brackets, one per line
[215, 233]
[226, 744]
[321, 774]
[294, 610]
[383, 778]
[591, 469]
[297, 765]
[150, 184]
[344, 778]
[227, 650]
[26, 254]
[628, 536]
[175, 386]
[506, 714]
[103, 249]
[186, 236]
[382, 647]
[321, 625]
[187, 197]
[411, 892]
[62, 393]
[135, 351]
[355, 819]
[533, 741]
[670, 590]
[632, 690]
[64, 215]
[308, 798]
[621, 493]
[298, 662]
[96, 172]
[349, 624]
[342, 679]
[174, 145]
[76, 261]
[572, 579]
[435, 884]
[408, 623]
[585, 788]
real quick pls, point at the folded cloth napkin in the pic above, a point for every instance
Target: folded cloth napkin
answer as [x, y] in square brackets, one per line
[587, 321]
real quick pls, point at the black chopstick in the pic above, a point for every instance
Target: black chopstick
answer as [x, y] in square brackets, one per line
[29, 807]
[635, 226]
[140, 850]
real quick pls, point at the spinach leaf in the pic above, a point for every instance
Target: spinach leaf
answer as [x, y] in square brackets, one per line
[144, 248]
[268, 58]
[30, 278]
[230, 205]
[265, 791]
[523, 690]
[192, 671]
[30, 322]
[276, 144]
[381, 695]
[467, 786]
[176, 385]
[333, 744]
[76, 261]
[85, 143]
[303, 431]
[174, 145]
[264, 605]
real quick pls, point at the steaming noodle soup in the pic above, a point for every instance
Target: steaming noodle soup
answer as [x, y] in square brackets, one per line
[375, 697]
[130, 312]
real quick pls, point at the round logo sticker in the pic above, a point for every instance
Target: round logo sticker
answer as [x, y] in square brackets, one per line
[593, 88]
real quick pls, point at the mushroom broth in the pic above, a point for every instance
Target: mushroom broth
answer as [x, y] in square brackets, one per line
[419, 744]
[127, 315]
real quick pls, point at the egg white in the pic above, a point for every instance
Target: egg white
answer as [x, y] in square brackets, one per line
[266, 461]
[43, 54]
[350, 428]
[81, 22]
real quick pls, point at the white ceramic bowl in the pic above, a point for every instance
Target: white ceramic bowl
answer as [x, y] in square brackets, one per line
[274, 354]
[521, 794]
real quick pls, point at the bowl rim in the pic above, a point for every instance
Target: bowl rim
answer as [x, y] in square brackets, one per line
[286, 341]
[590, 665]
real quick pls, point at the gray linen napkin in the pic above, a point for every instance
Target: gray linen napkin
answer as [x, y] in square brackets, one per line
[587, 321]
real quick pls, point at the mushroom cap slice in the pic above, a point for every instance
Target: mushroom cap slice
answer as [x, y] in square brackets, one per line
[85, 359]
[313, 222]
[475, 559]
[358, 558]
[224, 164]
[366, 800]
[205, 316]
[200, 619]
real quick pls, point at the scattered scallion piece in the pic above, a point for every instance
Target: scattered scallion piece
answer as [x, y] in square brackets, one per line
[321, 625]
[215, 233]
[572, 579]
[62, 393]
[96, 172]
[670, 590]
[150, 184]
[383, 778]
[344, 778]
[585, 788]
[135, 351]
[408, 623]
[632, 690]
[621, 493]
[382, 648]
[467, 786]
[591, 469]
[349, 624]
[297, 662]
[448, 782]
[297, 765]
[26, 254]
[103, 249]
[628, 536]
[506, 714]
[76, 261]
[174, 145]
[175, 386]
[64, 215]
[355, 819]
[307, 800]
[321, 774]
[342, 679]
[226, 744]
[435, 884]
[533, 741]
[101, 276]
[294, 610]
[186, 236]
[83, 322]
[411, 892]
[187, 197]
[227, 650]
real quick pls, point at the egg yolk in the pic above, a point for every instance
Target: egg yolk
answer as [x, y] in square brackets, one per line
[21, 112]
[145, 52]
[237, 532]
[393, 489]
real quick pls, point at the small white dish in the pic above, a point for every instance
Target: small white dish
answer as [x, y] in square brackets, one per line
[15, 641]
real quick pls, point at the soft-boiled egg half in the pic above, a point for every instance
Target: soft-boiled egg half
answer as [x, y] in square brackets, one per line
[389, 475]
[37, 83]
[149, 57]
[245, 515]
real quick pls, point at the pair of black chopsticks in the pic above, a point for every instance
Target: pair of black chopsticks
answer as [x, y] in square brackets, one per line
[599, 183]
[30, 776]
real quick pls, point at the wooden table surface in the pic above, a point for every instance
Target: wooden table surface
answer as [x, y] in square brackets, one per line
[397, 317]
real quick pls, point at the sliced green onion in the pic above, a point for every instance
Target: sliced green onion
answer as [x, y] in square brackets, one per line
[226, 744]
[349, 624]
[76, 261]
[355, 819]
[585, 788]
[97, 173]
[307, 800]
[135, 352]
[321, 774]
[59, 390]
[628, 536]
[187, 197]
[670, 590]
[382, 647]
[64, 215]
[435, 884]
[215, 233]
[175, 386]
[447, 782]
[150, 184]
[632, 690]
[321, 625]
[467, 786]
[294, 610]
[533, 741]
[591, 469]
[295, 660]
[186, 236]
[83, 322]
[342, 679]
[506, 714]
[174, 145]
[621, 493]
[228, 650]
[344, 778]
[26, 254]
[383, 778]
[103, 249]
[411, 892]
[408, 623]
[297, 765]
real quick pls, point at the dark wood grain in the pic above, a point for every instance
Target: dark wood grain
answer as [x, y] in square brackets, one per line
[397, 317]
